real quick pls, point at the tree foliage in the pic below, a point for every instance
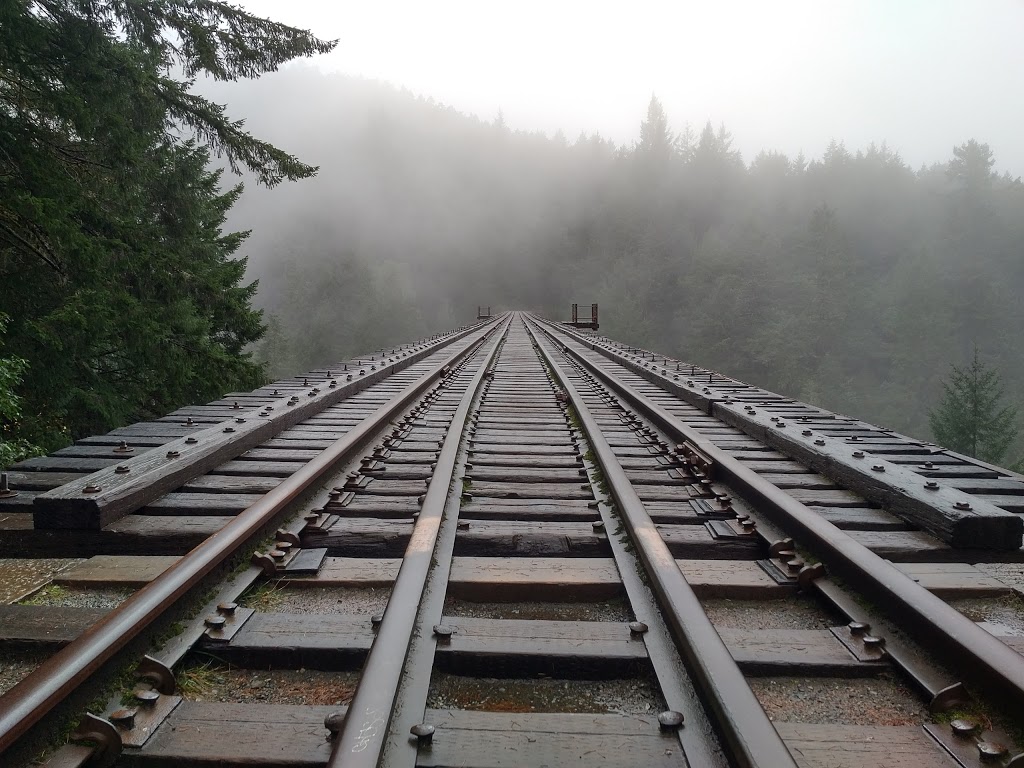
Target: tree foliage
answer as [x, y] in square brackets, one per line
[123, 290]
[970, 418]
[843, 276]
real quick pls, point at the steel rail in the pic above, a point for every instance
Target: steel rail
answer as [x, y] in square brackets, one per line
[748, 734]
[964, 644]
[30, 700]
[362, 737]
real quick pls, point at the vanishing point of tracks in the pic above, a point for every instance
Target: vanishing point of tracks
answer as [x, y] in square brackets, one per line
[514, 544]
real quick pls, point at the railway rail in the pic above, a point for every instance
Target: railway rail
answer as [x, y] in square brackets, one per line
[515, 544]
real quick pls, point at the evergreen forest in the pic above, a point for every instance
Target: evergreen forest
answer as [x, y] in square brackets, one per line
[844, 278]
[150, 256]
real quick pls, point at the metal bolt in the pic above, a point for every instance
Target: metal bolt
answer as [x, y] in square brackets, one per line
[121, 469]
[189, 422]
[858, 627]
[334, 722]
[376, 620]
[236, 406]
[277, 554]
[239, 420]
[870, 641]
[780, 424]
[227, 608]
[214, 622]
[963, 728]
[806, 433]
[819, 441]
[990, 750]
[91, 489]
[962, 505]
[878, 467]
[931, 485]
[463, 525]
[637, 627]
[442, 632]
[123, 448]
[146, 696]
[191, 440]
[232, 429]
[670, 719]
[173, 454]
[124, 718]
[424, 733]
[597, 525]
[858, 454]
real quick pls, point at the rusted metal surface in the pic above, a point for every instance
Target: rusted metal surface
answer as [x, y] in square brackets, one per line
[108, 494]
[34, 696]
[365, 730]
[748, 734]
[962, 643]
[556, 539]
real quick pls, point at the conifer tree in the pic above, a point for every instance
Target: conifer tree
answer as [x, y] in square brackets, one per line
[124, 294]
[969, 419]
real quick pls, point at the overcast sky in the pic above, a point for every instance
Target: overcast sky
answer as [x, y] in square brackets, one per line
[922, 75]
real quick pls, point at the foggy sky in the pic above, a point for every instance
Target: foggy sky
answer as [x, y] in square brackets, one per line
[923, 75]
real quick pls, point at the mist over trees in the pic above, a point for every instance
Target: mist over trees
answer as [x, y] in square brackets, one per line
[847, 279]
[121, 295]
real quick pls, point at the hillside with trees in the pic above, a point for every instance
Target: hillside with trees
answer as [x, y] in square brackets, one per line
[848, 279]
[842, 277]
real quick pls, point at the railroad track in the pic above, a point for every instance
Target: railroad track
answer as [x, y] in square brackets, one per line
[516, 544]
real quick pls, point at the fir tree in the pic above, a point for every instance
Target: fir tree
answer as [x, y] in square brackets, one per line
[124, 294]
[969, 419]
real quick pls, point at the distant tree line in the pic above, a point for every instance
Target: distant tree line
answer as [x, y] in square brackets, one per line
[849, 280]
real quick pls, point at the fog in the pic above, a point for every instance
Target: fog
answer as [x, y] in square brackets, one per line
[820, 201]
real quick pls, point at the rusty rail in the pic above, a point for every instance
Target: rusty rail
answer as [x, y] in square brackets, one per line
[31, 699]
[965, 645]
[748, 734]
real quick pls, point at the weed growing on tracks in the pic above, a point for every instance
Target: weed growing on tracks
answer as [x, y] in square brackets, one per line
[262, 597]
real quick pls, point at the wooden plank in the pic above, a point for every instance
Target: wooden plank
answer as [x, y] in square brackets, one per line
[21, 576]
[793, 652]
[221, 734]
[907, 546]
[862, 519]
[862, 746]
[234, 485]
[535, 739]
[115, 570]
[372, 537]
[528, 475]
[215, 504]
[258, 468]
[64, 464]
[46, 625]
[954, 580]
[134, 534]
[498, 490]
[41, 481]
